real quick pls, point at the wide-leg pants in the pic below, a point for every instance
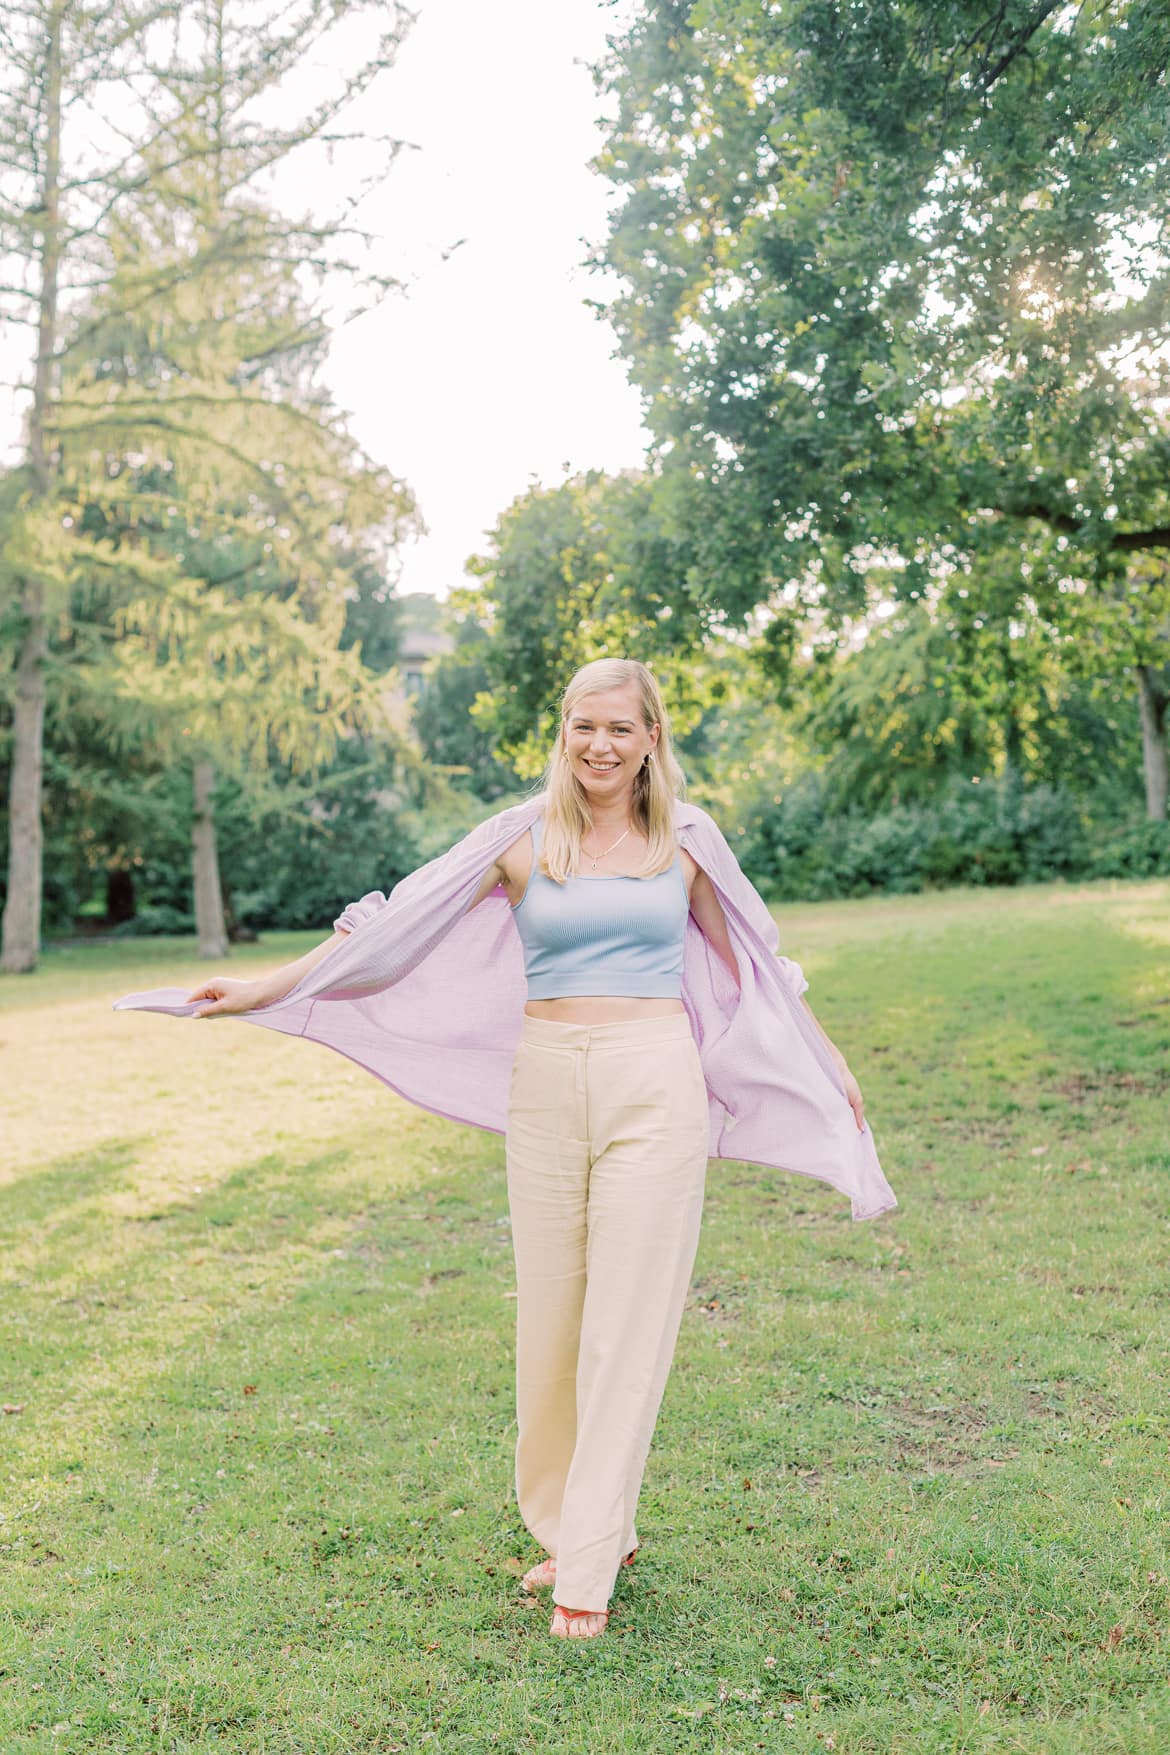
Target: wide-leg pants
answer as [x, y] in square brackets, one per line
[606, 1150]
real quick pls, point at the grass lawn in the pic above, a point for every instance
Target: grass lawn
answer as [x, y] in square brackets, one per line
[909, 1487]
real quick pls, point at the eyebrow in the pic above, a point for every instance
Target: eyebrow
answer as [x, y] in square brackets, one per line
[580, 719]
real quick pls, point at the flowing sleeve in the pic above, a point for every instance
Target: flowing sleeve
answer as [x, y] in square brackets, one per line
[354, 913]
[794, 975]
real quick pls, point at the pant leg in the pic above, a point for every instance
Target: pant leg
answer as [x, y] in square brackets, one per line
[649, 1122]
[547, 1159]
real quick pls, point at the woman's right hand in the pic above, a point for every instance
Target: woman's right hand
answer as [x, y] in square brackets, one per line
[227, 996]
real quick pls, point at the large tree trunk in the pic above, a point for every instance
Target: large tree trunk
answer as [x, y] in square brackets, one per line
[1153, 700]
[209, 923]
[22, 910]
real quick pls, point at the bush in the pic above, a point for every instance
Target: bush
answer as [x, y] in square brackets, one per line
[997, 832]
[1136, 850]
[154, 922]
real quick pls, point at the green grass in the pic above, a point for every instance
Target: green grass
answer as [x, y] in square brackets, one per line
[909, 1486]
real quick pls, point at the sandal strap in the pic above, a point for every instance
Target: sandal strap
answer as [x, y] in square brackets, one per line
[575, 1614]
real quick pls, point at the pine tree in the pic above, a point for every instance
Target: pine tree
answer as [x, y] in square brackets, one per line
[106, 109]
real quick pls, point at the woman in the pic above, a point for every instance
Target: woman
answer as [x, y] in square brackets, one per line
[618, 1088]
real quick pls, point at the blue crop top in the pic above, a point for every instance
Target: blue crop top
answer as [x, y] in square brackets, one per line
[624, 937]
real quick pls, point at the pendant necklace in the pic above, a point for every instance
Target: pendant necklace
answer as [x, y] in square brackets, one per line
[600, 856]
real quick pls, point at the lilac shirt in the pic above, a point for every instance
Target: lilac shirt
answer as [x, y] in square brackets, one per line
[428, 994]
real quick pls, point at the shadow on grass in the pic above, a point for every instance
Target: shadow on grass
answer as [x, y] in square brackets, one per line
[43, 1193]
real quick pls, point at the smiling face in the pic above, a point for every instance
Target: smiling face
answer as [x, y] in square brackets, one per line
[606, 741]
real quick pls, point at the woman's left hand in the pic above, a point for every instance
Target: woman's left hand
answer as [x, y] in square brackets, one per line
[853, 1095]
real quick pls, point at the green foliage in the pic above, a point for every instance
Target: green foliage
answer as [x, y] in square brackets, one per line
[293, 862]
[997, 832]
[894, 283]
[1131, 850]
[451, 735]
[192, 512]
[299, 867]
[957, 694]
[235, 530]
[293, 849]
[589, 569]
[373, 615]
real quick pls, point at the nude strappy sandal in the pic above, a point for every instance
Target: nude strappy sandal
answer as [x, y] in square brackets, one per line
[571, 1615]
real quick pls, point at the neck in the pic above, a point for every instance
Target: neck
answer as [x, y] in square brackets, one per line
[615, 814]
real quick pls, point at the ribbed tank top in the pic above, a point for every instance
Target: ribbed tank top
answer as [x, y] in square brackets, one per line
[602, 934]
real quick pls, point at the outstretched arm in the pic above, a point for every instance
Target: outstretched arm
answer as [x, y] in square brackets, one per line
[226, 994]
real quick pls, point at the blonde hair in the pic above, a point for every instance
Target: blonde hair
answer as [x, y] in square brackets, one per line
[658, 782]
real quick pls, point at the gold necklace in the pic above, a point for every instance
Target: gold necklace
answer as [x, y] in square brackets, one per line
[600, 856]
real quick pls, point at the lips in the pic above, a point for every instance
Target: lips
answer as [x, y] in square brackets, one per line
[603, 768]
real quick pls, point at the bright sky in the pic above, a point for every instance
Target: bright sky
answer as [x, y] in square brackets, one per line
[488, 371]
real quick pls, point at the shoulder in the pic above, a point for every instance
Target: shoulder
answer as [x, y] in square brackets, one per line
[506, 830]
[491, 849]
[526, 811]
[507, 824]
[693, 822]
[685, 812]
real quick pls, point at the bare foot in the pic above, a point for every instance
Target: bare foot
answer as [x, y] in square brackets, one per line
[541, 1576]
[578, 1623]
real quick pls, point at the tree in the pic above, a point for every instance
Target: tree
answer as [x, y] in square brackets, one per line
[935, 698]
[103, 106]
[235, 516]
[585, 570]
[451, 736]
[896, 288]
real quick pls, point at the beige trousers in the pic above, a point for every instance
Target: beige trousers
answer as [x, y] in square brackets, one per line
[606, 1150]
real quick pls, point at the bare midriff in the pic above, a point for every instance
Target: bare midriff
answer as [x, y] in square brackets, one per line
[598, 1008]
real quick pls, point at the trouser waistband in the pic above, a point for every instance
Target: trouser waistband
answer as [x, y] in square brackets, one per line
[619, 1033]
